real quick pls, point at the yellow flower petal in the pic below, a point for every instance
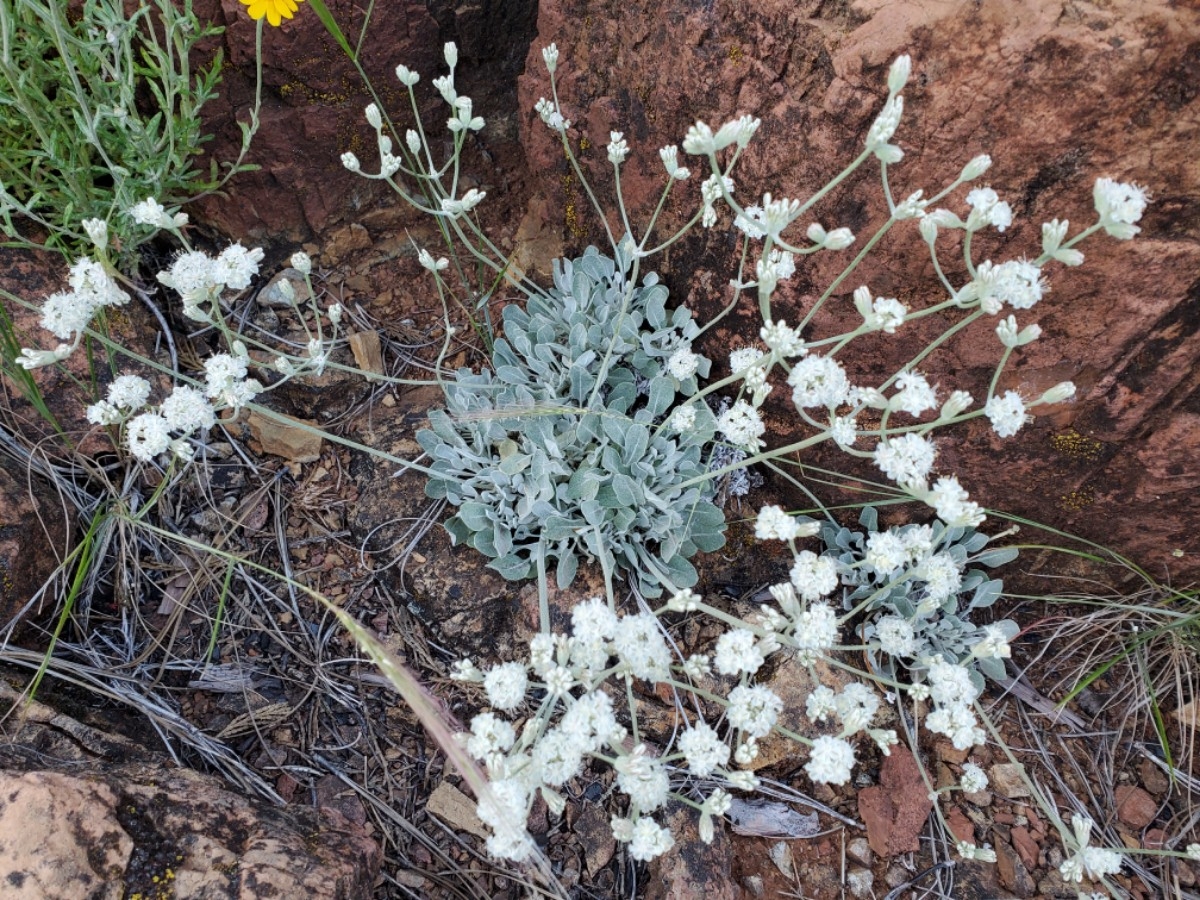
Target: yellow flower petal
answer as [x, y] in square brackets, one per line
[275, 11]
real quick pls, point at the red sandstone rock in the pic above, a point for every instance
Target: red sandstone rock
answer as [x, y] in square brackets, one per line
[1026, 846]
[895, 810]
[691, 868]
[960, 826]
[115, 820]
[1012, 871]
[33, 539]
[1057, 96]
[1135, 807]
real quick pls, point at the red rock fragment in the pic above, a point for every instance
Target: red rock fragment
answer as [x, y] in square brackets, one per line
[960, 826]
[1135, 807]
[1154, 839]
[1026, 846]
[895, 810]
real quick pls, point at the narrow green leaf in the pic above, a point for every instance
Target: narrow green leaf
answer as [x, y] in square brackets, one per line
[332, 27]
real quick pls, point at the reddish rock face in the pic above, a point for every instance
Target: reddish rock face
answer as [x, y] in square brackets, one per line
[1057, 97]
[114, 820]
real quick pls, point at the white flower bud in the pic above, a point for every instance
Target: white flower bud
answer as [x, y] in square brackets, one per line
[335, 313]
[287, 291]
[670, 159]
[1011, 337]
[955, 404]
[302, 262]
[929, 229]
[445, 87]
[1059, 393]
[426, 260]
[35, 359]
[618, 149]
[1007, 331]
[413, 140]
[97, 232]
[450, 51]
[1053, 233]
[816, 233]
[943, 218]
[374, 119]
[699, 140]
[839, 239]
[550, 58]
[862, 301]
[350, 161]
[469, 200]
[912, 207]
[976, 167]
[1028, 334]
[407, 76]
[898, 74]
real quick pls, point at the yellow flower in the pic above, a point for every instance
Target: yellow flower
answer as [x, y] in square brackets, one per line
[275, 10]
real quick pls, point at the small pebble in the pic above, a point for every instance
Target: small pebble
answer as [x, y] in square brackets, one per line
[859, 882]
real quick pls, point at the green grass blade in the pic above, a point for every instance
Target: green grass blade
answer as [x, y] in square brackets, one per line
[83, 565]
[333, 28]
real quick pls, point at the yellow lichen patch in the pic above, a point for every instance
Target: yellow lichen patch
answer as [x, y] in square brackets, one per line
[571, 208]
[735, 54]
[1073, 445]
[584, 144]
[1077, 500]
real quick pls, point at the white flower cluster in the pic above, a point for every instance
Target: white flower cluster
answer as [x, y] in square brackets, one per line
[577, 721]
[151, 433]
[199, 279]
[906, 459]
[1006, 413]
[126, 394]
[954, 688]
[67, 313]
[1119, 207]
[147, 432]
[151, 212]
[462, 121]
[987, 209]
[683, 363]
[773, 524]
[819, 381]
[227, 382]
[973, 779]
[884, 314]
[1017, 282]
[549, 113]
[710, 193]
[1093, 862]
[742, 426]
[182, 414]
[576, 718]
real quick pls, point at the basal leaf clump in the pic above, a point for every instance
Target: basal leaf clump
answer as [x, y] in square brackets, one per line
[565, 448]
